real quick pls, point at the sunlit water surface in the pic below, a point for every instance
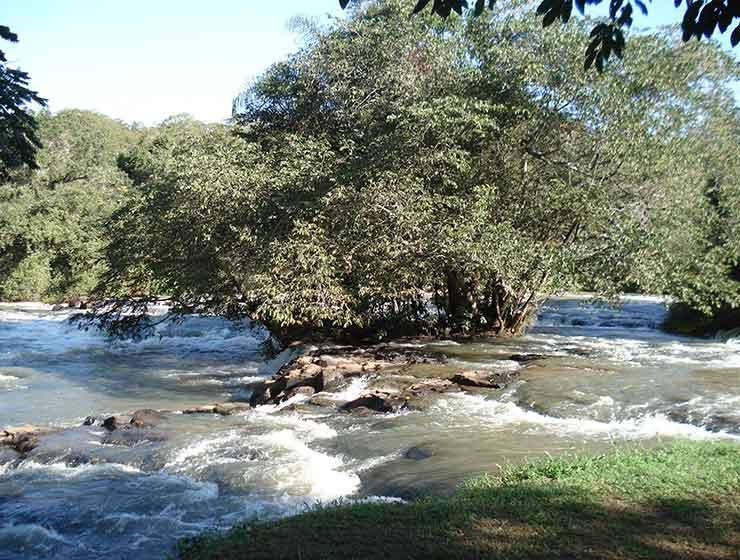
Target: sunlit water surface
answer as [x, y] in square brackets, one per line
[605, 377]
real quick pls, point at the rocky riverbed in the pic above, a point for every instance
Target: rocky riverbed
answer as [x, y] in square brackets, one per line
[130, 445]
[396, 380]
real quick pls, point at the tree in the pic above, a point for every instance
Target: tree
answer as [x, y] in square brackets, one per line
[52, 218]
[401, 175]
[702, 18]
[18, 129]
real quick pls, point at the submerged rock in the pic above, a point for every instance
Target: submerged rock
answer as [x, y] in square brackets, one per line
[418, 453]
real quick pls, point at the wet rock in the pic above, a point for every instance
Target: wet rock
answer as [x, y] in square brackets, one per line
[259, 394]
[418, 453]
[377, 402]
[114, 422]
[224, 409]
[22, 439]
[146, 417]
[305, 391]
[205, 409]
[324, 401]
[432, 385]
[26, 442]
[478, 379]
[526, 359]
[363, 411]
[90, 421]
[130, 436]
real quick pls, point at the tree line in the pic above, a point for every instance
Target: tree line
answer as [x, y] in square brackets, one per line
[395, 176]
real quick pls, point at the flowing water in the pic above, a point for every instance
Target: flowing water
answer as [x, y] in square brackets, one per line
[603, 377]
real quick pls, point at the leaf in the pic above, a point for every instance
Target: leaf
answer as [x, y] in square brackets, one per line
[420, 5]
[614, 6]
[735, 37]
[7, 34]
[581, 5]
[479, 5]
[549, 18]
[458, 5]
[724, 20]
[600, 62]
[545, 7]
[343, 3]
[688, 25]
[591, 52]
[597, 30]
[625, 18]
[707, 21]
[642, 6]
[566, 8]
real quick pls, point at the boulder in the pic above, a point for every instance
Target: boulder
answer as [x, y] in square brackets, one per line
[146, 417]
[205, 409]
[25, 442]
[131, 436]
[226, 409]
[526, 359]
[376, 401]
[259, 394]
[324, 401]
[114, 422]
[22, 439]
[304, 390]
[477, 379]
[363, 411]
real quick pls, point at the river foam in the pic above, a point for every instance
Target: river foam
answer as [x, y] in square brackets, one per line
[490, 414]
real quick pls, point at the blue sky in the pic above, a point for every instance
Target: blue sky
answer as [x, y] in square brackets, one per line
[143, 60]
[147, 59]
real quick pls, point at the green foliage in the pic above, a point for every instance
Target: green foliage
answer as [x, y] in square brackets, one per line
[403, 173]
[29, 280]
[702, 18]
[18, 129]
[52, 218]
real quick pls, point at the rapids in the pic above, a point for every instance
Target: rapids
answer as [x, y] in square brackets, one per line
[604, 377]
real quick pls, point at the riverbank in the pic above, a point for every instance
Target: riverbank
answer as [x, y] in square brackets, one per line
[678, 501]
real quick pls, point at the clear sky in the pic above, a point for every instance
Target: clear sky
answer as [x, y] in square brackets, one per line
[143, 60]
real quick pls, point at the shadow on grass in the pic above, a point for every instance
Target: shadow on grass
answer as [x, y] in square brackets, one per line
[513, 521]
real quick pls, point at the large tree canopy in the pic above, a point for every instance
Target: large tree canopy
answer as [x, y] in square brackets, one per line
[701, 18]
[399, 172]
[18, 129]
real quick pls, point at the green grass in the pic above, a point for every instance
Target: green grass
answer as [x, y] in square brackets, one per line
[679, 501]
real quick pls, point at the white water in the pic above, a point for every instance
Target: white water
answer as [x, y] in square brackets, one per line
[605, 377]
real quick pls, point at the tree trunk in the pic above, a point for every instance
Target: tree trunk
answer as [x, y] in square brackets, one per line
[457, 301]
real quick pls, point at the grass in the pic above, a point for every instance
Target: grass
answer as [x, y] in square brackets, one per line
[679, 501]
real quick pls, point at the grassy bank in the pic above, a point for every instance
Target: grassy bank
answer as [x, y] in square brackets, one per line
[679, 501]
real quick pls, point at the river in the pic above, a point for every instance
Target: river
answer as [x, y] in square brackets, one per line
[604, 377]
